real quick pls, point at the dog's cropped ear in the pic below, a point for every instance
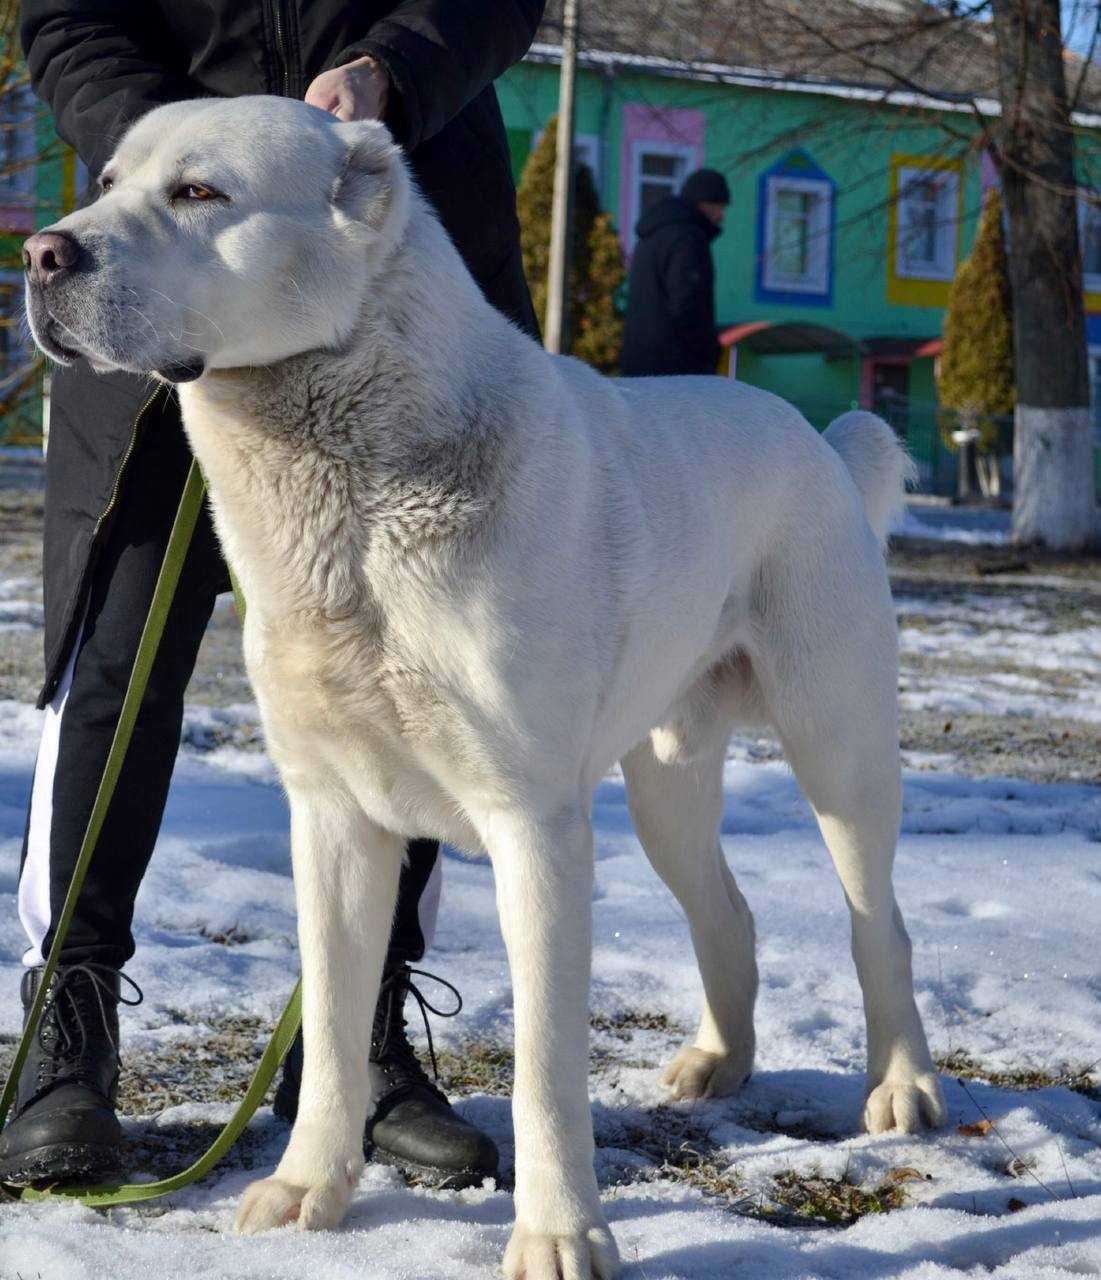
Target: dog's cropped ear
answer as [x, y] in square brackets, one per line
[371, 184]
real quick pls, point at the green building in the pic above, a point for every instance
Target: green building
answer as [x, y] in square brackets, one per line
[852, 201]
[851, 206]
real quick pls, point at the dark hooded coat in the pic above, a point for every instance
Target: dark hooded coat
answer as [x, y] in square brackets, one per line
[101, 64]
[670, 325]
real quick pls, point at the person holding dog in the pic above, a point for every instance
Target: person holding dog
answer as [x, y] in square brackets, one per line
[670, 325]
[115, 469]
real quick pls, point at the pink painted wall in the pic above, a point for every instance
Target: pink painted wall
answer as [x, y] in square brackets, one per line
[643, 123]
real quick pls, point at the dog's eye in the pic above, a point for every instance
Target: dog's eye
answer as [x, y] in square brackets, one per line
[196, 191]
[105, 184]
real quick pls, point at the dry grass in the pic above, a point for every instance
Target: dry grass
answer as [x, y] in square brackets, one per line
[1079, 1079]
[812, 1196]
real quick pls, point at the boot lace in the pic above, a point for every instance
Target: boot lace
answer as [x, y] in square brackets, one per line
[392, 1049]
[70, 1015]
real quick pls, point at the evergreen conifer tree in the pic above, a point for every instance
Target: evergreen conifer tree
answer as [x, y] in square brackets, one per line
[596, 270]
[976, 378]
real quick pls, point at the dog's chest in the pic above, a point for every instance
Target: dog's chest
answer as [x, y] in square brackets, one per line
[350, 705]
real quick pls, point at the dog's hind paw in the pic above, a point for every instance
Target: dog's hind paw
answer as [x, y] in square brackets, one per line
[696, 1073]
[274, 1202]
[908, 1104]
[587, 1254]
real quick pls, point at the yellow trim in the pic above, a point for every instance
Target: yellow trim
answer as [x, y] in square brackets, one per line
[1091, 302]
[902, 290]
[68, 180]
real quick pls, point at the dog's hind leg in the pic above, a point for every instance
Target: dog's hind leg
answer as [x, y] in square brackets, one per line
[677, 811]
[831, 681]
[345, 876]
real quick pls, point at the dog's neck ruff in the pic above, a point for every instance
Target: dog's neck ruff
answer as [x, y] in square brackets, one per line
[326, 466]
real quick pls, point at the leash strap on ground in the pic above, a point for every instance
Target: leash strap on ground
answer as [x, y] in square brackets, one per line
[191, 502]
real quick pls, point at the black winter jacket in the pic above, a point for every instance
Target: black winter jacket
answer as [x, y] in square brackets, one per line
[670, 326]
[101, 64]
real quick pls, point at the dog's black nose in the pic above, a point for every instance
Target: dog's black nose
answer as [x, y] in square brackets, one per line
[49, 254]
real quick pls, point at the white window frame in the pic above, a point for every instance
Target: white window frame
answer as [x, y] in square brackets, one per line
[817, 280]
[947, 225]
[586, 148]
[1094, 362]
[684, 152]
[1091, 281]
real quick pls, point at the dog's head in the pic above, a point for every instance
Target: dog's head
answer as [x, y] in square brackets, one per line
[227, 233]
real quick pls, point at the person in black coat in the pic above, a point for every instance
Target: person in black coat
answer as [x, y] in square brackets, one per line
[670, 325]
[115, 468]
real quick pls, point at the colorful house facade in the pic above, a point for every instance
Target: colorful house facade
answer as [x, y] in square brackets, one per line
[850, 209]
[39, 180]
[851, 206]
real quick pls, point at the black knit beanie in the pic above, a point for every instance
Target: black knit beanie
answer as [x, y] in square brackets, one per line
[705, 184]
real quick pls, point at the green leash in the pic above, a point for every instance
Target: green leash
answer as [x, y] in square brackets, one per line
[191, 502]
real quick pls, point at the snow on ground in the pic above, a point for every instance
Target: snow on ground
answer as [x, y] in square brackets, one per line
[1001, 885]
[1000, 881]
[976, 526]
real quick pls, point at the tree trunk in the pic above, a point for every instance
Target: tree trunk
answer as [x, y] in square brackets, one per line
[1054, 500]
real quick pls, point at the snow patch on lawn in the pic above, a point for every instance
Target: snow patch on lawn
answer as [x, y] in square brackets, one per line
[1000, 882]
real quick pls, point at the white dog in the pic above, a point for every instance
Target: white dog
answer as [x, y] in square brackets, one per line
[478, 576]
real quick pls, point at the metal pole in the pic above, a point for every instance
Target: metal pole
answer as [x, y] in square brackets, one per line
[559, 265]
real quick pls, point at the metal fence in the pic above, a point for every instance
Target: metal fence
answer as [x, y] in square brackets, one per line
[925, 428]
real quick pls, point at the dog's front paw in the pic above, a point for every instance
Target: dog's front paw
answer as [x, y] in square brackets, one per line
[274, 1202]
[907, 1103]
[587, 1254]
[696, 1073]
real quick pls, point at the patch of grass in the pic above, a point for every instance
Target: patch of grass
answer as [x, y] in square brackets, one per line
[681, 1150]
[834, 1202]
[622, 1024]
[213, 1065]
[476, 1066]
[1079, 1079]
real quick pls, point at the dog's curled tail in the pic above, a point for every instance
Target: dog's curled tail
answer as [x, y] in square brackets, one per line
[878, 463]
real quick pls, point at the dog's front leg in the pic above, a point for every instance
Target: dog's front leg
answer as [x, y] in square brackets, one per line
[543, 868]
[346, 876]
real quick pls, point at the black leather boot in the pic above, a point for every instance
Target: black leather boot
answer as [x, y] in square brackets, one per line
[63, 1126]
[413, 1125]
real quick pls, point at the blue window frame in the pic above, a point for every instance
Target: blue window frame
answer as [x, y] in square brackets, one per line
[795, 233]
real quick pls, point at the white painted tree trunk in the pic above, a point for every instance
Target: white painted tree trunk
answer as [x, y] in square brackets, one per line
[1054, 500]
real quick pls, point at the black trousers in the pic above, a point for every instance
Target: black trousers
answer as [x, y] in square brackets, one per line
[82, 717]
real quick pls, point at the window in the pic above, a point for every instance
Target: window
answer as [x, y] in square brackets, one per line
[586, 151]
[660, 171]
[927, 220]
[797, 234]
[661, 146]
[1089, 231]
[795, 217]
[1095, 390]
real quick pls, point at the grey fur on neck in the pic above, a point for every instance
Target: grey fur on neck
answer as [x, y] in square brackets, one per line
[422, 452]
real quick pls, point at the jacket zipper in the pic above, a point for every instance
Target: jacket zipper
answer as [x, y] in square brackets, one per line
[122, 465]
[281, 47]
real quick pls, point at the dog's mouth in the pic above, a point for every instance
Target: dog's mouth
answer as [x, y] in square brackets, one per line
[57, 342]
